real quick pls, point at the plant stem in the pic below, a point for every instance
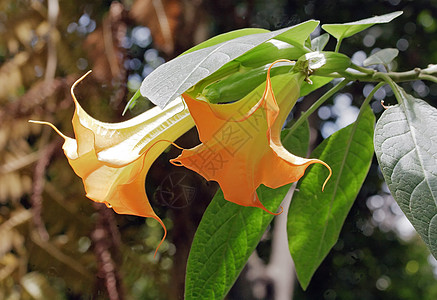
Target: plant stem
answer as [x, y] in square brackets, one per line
[362, 70]
[370, 96]
[428, 77]
[367, 75]
[337, 46]
[395, 88]
[371, 76]
[319, 102]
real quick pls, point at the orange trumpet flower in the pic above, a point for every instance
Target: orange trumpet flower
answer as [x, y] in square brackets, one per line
[113, 158]
[241, 147]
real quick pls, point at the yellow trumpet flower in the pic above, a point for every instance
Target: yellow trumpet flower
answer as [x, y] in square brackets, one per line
[113, 158]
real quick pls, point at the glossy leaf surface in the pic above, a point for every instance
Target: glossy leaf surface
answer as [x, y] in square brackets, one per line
[316, 82]
[316, 217]
[208, 43]
[176, 76]
[224, 37]
[341, 31]
[228, 233]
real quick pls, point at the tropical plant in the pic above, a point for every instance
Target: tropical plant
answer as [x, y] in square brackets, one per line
[239, 89]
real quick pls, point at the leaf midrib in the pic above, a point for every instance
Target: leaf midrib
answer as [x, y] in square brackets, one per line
[343, 163]
[220, 46]
[226, 245]
[416, 148]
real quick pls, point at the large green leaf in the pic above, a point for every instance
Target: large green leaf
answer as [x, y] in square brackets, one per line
[224, 240]
[224, 37]
[228, 234]
[341, 31]
[208, 43]
[270, 51]
[297, 141]
[315, 217]
[239, 84]
[406, 148]
[237, 78]
[176, 76]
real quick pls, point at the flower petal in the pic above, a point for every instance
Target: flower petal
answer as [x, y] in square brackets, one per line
[113, 158]
[241, 147]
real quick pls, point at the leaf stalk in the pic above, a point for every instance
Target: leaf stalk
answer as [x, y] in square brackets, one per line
[319, 102]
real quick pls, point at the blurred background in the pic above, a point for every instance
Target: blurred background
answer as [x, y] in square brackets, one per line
[57, 244]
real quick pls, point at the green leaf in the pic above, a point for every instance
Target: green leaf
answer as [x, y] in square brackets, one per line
[239, 84]
[315, 217]
[208, 43]
[298, 35]
[268, 52]
[406, 148]
[131, 103]
[247, 72]
[176, 76]
[225, 37]
[229, 233]
[319, 43]
[297, 141]
[224, 240]
[341, 31]
[383, 57]
[308, 42]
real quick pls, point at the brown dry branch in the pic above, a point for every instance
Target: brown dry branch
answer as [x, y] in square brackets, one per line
[104, 48]
[38, 187]
[162, 18]
[34, 101]
[106, 240]
[119, 19]
[175, 25]
[52, 16]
